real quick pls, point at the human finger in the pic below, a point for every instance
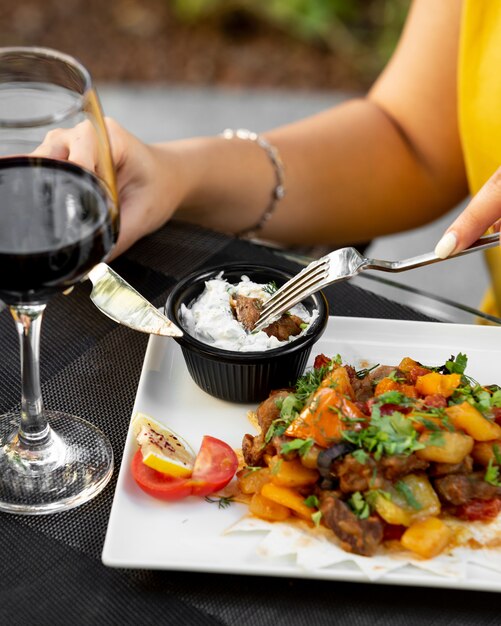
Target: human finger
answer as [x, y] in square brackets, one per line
[54, 146]
[483, 212]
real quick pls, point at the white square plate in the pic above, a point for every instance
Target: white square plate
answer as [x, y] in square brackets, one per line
[190, 534]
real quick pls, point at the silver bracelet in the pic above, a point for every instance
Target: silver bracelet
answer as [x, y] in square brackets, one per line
[278, 191]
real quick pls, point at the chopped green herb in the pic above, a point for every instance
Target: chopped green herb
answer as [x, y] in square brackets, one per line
[303, 326]
[289, 408]
[359, 505]
[386, 434]
[249, 469]
[395, 377]
[457, 365]
[436, 439]
[316, 518]
[492, 474]
[405, 491]
[276, 467]
[361, 456]
[497, 453]
[312, 502]
[301, 445]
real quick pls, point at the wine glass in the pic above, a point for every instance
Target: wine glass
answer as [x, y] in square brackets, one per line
[57, 220]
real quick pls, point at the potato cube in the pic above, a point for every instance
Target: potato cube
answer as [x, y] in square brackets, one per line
[289, 498]
[453, 447]
[251, 480]
[411, 498]
[427, 537]
[291, 473]
[466, 417]
[268, 509]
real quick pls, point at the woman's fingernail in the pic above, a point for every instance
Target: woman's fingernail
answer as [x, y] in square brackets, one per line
[446, 246]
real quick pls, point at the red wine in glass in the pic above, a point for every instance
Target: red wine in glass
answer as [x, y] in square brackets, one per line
[57, 221]
[55, 225]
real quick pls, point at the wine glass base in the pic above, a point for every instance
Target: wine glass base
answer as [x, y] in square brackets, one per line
[73, 467]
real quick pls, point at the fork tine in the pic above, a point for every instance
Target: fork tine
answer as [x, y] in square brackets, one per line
[311, 270]
[293, 297]
[293, 291]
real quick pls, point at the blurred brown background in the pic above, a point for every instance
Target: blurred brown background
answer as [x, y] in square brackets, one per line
[305, 44]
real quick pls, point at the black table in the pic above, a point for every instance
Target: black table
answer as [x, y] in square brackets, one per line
[50, 567]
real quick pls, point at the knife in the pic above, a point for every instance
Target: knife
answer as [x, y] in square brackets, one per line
[114, 297]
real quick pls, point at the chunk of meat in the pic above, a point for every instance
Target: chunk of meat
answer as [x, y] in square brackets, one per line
[364, 387]
[361, 536]
[392, 467]
[443, 469]
[254, 447]
[457, 489]
[436, 400]
[287, 326]
[354, 476]
[247, 310]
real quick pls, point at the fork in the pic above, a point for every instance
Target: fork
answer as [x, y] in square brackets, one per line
[343, 264]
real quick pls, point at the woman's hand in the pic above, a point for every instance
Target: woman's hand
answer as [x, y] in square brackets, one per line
[483, 212]
[148, 183]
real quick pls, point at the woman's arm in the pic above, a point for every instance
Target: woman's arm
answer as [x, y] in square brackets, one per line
[388, 162]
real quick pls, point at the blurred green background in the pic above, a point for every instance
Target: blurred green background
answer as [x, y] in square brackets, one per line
[365, 32]
[306, 44]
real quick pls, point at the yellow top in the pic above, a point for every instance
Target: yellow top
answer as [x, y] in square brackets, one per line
[479, 94]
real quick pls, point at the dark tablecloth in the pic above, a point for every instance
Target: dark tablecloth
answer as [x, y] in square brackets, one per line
[50, 567]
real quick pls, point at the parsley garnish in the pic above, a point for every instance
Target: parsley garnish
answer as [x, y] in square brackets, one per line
[316, 517]
[387, 434]
[359, 505]
[436, 438]
[405, 490]
[457, 365]
[276, 467]
[289, 408]
[301, 445]
[361, 456]
[492, 474]
[395, 377]
[312, 502]
[249, 469]
[497, 453]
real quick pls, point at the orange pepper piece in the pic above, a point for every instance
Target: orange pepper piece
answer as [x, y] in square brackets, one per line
[388, 384]
[326, 417]
[338, 379]
[435, 383]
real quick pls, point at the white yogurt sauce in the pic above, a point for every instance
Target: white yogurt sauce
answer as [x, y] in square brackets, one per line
[210, 317]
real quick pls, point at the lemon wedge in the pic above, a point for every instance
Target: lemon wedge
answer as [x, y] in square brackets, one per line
[162, 449]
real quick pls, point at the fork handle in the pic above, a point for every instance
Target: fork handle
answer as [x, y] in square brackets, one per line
[483, 243]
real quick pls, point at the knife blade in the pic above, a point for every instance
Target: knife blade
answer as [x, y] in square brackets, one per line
[114, 297]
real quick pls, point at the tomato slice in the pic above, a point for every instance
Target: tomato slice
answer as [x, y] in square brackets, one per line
[214, 467]
[157, 484]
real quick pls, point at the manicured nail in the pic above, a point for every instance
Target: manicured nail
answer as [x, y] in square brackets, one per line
[446, 246]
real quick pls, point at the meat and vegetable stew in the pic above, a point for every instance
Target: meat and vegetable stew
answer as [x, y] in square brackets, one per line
[383, 455]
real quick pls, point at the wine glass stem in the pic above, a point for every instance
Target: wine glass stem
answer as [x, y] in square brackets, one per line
[34, 429]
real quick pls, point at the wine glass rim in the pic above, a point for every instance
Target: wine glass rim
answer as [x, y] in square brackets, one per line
[59, 56]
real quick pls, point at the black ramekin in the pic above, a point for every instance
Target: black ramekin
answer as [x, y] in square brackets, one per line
[243, 376]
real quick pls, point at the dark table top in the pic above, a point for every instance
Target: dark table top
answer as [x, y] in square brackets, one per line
[50, 566]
